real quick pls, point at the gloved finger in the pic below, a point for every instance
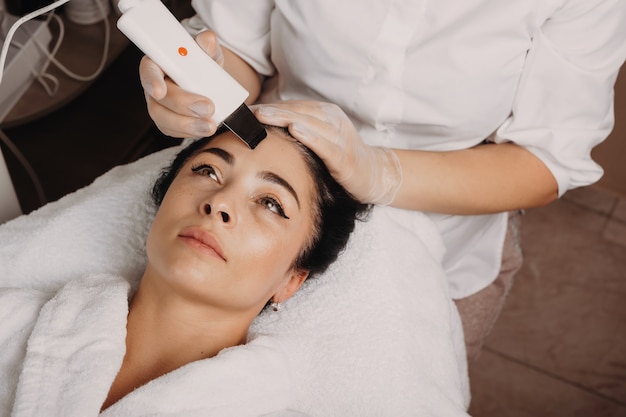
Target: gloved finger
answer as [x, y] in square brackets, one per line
[152, 78]
[311, 129]
[186, 103]
[321, 137]
[326, 112]
[178, 125]
[173, 112]
[334, 153]
[161, 89]
[209, 43]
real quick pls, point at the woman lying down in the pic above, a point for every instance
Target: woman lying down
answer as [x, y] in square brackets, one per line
[236, 232]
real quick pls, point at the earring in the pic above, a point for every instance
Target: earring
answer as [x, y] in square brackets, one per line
[276, 306]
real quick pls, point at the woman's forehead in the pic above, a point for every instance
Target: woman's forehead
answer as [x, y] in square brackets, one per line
[275, 145]
[278, 152]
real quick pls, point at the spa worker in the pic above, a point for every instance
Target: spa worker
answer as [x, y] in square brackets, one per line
[468, 110]
[235, 230]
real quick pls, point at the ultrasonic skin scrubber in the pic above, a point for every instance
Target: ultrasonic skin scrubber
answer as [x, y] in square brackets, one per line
[153, 28]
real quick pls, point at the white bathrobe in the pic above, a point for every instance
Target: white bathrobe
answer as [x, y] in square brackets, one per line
[60, 356]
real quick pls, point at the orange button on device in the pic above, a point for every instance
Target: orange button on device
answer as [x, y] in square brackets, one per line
[182, 51]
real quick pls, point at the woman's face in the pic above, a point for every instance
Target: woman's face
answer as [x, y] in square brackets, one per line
[232, 223]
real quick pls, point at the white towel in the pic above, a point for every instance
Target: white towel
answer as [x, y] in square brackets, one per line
[377, 334]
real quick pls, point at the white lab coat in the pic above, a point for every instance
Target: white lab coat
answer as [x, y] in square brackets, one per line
[445, 75]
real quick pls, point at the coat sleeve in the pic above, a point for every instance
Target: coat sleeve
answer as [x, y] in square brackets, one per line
[243, 26]
[564, 103]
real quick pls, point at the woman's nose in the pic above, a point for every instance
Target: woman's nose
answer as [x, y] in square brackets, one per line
[222, 214]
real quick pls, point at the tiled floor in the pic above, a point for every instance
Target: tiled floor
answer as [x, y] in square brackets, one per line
[559, 347]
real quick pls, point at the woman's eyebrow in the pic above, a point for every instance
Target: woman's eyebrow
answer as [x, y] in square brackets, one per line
[277, 179]
[221, 153]
[265, 175]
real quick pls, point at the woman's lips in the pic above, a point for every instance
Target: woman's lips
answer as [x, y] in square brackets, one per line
[202, 240]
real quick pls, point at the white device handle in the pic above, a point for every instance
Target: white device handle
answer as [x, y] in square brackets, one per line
[152, 27]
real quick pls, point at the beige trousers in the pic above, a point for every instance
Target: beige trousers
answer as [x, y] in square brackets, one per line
[480, 311]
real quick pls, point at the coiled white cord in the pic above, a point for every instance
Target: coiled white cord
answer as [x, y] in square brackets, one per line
[42, 75]
[19, 22]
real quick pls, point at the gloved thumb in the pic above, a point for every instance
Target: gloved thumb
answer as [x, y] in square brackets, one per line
[210, 44]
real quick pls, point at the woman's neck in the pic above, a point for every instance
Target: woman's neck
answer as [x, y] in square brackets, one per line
[166, 331]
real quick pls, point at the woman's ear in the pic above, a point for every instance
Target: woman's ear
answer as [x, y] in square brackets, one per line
[294, 282]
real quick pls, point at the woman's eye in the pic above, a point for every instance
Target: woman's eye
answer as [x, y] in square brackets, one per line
[207, 171]
[273, 206]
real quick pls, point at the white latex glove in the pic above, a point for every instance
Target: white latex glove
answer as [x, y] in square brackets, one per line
[371, 174]
[177, 112]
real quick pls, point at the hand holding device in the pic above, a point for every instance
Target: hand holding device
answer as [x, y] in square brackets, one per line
[151, 26]
[372, 174]
[176, 111]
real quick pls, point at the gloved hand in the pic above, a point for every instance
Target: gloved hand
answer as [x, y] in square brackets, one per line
[176, 112]
[371, 174]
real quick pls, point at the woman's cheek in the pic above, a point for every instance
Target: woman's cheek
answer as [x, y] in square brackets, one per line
[270, 248]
